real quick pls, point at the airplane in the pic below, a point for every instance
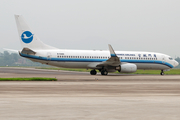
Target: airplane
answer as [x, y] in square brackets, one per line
[103, 60]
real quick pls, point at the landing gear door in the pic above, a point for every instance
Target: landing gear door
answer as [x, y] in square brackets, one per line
[48, 56]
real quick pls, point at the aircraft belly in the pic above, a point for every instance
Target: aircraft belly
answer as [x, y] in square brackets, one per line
[76, 64]
[69, 64]
[151, 66]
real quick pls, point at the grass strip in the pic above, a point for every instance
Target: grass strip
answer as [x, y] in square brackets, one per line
[28, 79]
[157, 72]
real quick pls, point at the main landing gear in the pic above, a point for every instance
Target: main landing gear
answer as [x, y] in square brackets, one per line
[162, 72]
[104, 72]
[93, 72]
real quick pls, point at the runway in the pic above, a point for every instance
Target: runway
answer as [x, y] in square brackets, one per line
[80, 96]
[82, 76]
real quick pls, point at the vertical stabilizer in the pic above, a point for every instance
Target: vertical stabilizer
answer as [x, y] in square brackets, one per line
[27, 36]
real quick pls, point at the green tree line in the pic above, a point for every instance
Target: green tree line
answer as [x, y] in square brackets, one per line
[178, 60]
[13, 59]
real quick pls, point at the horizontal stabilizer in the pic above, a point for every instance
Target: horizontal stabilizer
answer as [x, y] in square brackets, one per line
[11, 50]
[27, 51]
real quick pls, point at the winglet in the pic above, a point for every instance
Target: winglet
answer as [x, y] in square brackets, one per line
[113, 54]
[112, 61]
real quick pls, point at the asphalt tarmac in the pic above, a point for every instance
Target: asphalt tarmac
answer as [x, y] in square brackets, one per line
[80, 96]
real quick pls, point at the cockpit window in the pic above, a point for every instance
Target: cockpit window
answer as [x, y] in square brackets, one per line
[170, 58]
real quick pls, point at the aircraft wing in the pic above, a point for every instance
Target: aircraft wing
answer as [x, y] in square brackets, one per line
[112, 61]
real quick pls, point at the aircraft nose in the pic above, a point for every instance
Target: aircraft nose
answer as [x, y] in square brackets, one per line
[176, 63]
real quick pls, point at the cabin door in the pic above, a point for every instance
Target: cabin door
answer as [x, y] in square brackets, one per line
[48, 56]
[163, 59]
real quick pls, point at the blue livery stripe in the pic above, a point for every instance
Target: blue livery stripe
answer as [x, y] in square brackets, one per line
[94, 60]
[113, 55]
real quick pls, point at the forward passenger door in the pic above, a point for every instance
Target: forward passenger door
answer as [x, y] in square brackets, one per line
[48, 56]
[163, 59]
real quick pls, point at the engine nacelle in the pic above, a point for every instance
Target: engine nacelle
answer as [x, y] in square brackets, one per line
[128, 68]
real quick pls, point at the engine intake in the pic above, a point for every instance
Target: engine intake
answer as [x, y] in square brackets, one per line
[127, 68]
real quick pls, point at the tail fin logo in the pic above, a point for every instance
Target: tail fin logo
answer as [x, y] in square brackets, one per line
[27, 37]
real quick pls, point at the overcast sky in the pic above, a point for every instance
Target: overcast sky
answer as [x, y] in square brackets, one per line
[128, 25]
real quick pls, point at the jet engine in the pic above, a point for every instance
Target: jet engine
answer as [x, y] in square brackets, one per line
[127, 68]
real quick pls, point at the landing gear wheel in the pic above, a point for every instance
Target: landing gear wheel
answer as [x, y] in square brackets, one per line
[93, 72]
[162, 72]
[104, 72]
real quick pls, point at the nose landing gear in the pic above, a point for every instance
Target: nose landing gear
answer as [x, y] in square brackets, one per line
[162, 72]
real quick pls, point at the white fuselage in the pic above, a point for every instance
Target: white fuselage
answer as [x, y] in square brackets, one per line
[87, 58]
